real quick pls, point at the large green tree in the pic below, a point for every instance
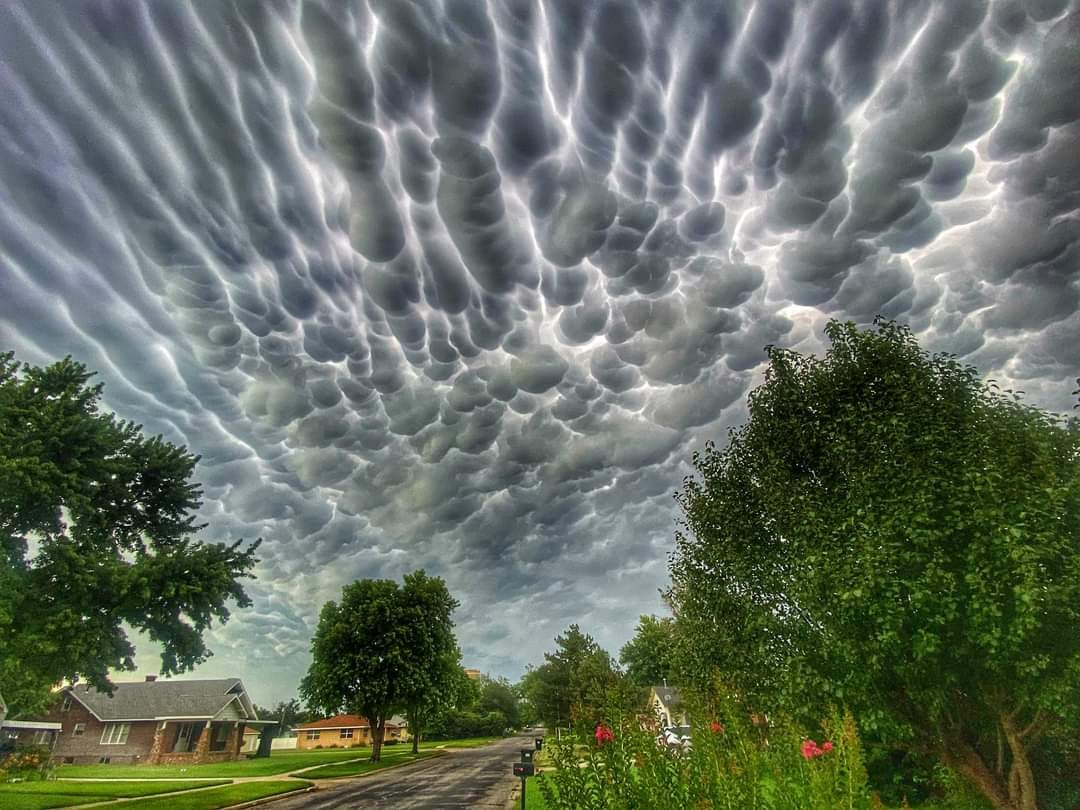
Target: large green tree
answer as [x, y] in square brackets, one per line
[96, 534]
[649, 657]
[384, 649]
[575, 680]
[890, 533]
[426, 612]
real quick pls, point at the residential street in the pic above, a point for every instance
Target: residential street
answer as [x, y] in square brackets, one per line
[474, 777]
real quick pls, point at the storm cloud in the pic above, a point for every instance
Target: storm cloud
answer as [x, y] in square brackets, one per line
[461, 285]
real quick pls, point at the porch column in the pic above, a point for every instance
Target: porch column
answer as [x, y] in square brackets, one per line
[236, 739]
[203, 746]
[154, 757]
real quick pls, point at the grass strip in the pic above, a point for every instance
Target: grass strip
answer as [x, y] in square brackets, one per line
[220, 797]
[360, 768]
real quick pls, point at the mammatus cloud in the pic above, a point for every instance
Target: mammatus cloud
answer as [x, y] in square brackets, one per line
[461, 284]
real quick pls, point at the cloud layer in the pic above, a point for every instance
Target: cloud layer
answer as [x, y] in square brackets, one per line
[460, 285]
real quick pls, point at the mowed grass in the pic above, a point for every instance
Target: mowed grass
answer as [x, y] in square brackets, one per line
[469, 742]
[341, 769]
[278, 762]
[35, 795]
[219, 797]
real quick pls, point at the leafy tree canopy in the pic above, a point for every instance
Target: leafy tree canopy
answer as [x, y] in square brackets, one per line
[648, 658]
[574, 679]
[889, 533]
[432, 681]
[96, 533]
[384, 649]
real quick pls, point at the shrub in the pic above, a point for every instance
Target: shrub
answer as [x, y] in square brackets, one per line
[729, 764]
[391, 742]
[28, 764]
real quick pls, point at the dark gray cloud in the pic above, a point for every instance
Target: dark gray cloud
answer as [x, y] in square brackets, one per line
[461, 284]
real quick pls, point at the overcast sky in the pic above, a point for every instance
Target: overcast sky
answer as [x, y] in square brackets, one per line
[462, 285]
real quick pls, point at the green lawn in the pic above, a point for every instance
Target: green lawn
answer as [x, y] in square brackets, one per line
[221, 797]
[389, 759]
[471, 742]
[278, 762]
[35, 795]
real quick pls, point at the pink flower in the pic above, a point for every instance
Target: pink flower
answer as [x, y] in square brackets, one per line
[826, 747]
[717, 728]
[604, 735]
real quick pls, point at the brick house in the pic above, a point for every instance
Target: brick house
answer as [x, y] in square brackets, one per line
[153, 722]
[345, 731]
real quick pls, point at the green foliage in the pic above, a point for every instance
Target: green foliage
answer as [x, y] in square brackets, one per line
[729, 764]
[889, 533]
[383, 649]
[649, 657]
[496, 695]
[456, 724]
[573, 680]
[96, 525]
[29, 763]
[432, 677]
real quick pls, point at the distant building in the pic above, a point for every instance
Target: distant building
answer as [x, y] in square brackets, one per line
[152, 722]
[666, 703]
[346, 731]
[473, 674]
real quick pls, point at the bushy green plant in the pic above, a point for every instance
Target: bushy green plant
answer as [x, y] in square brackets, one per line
[729, 763]
[26, 764]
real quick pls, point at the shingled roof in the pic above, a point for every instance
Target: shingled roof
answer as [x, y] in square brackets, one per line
[151, 700]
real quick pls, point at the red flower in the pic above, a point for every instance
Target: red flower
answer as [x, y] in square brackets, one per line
[811, 750]
[604, 735]
[717, 728]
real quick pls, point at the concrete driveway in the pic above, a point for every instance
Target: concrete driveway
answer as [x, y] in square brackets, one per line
[465, 778]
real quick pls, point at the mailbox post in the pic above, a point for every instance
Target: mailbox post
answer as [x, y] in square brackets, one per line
[539, 742]
[524, 770]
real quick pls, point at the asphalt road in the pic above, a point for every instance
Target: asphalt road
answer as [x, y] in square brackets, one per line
[465, 778]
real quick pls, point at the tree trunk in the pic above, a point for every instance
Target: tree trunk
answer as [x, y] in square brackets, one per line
[416, 741]
[1021, 778]
[966, 761]
[3, 709]
[377, 738]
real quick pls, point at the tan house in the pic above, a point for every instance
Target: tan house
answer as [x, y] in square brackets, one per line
[152, 722]
[345, 731]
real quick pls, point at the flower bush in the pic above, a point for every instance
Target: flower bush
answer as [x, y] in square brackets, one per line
[731, 763]
[28, 764]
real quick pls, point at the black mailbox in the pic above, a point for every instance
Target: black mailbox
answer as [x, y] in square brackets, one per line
[524, 769]
[526, 755]
[539, 743]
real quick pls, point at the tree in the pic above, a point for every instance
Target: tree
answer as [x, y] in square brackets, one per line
[285, 713]
[648, 658]
[573, 680]
[427, 614]
[96, 535]
[496, 695]
[384, 649]
[890, 533]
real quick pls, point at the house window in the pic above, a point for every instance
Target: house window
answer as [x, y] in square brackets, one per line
[79, 729]
[313, 735]
[41, 737]
[220, 738]
[346, 733]
[67, 703]
[115, 733]
[104, 760]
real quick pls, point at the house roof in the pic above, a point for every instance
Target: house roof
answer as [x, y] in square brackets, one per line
[152, 700]
[668, 695]
[342, 721]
